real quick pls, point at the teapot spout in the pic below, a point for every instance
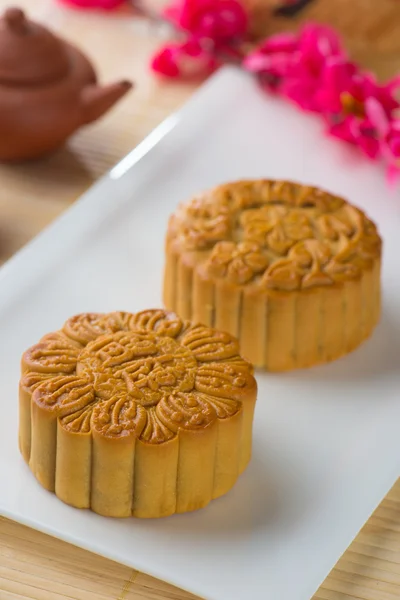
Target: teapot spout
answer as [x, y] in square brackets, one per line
[97, 100]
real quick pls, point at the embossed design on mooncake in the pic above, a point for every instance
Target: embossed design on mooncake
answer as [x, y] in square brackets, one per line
[304, 267]
[64, 393]
[31, 380]
[158, 321]
[238, 263]
[276, 227]
[332, 227]
[209, 345]
[223, 381]
[87, 327]
[51, 356]
[186, 411]
[284, 274]
[120, 415]
[154, 375]
[250, 231]
[140, 364]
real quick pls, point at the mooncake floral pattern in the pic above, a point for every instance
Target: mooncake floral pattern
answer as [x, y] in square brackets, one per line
[148, 374]
[276, 234]
[237, 262]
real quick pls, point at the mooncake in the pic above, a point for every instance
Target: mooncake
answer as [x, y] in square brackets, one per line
[136, 414]
[291, 270]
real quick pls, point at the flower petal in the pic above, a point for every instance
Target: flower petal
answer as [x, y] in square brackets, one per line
[280, 42]
[302, 92]
[377, 116]
[393, 174]
[365, 137]
[319, 40]
[369, 146]
[277, 64]
[342, 130]
[188, 59]
[164, 62]
[218, 20]
[394, 143]
[338, 73]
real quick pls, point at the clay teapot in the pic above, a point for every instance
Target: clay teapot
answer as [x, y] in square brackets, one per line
[48, 89]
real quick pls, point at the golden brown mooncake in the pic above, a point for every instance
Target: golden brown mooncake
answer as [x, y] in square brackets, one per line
[290, 270]
[136, 414]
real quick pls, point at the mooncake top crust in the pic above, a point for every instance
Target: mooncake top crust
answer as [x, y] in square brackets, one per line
[274, 235]
[146, 375]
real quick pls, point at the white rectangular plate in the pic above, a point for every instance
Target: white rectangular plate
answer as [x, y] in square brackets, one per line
[326, 440]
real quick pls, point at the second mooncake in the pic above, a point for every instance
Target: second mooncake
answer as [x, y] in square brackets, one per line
[291, 270]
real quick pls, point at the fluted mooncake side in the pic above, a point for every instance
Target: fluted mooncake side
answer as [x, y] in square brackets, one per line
[290, 270]
[136, 414]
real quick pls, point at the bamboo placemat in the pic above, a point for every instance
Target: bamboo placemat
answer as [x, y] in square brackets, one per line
[35, 566]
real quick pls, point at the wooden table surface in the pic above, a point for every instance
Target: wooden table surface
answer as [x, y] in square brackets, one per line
[35, 566]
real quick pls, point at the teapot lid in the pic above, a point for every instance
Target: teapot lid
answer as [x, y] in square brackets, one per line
[29, 53]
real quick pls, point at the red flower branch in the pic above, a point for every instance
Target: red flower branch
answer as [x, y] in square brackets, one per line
[213, 28]
[309, 68]
[312, 70]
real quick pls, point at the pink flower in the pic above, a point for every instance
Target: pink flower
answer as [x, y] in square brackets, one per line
[188, 59]
[294, 64]
[102, 4]
[316, 46]
[344, 88]
[360, 132]
[356, 108]
[390, 148]
[393, 141]
[388, 134]
[222, 21]
[273, 60]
